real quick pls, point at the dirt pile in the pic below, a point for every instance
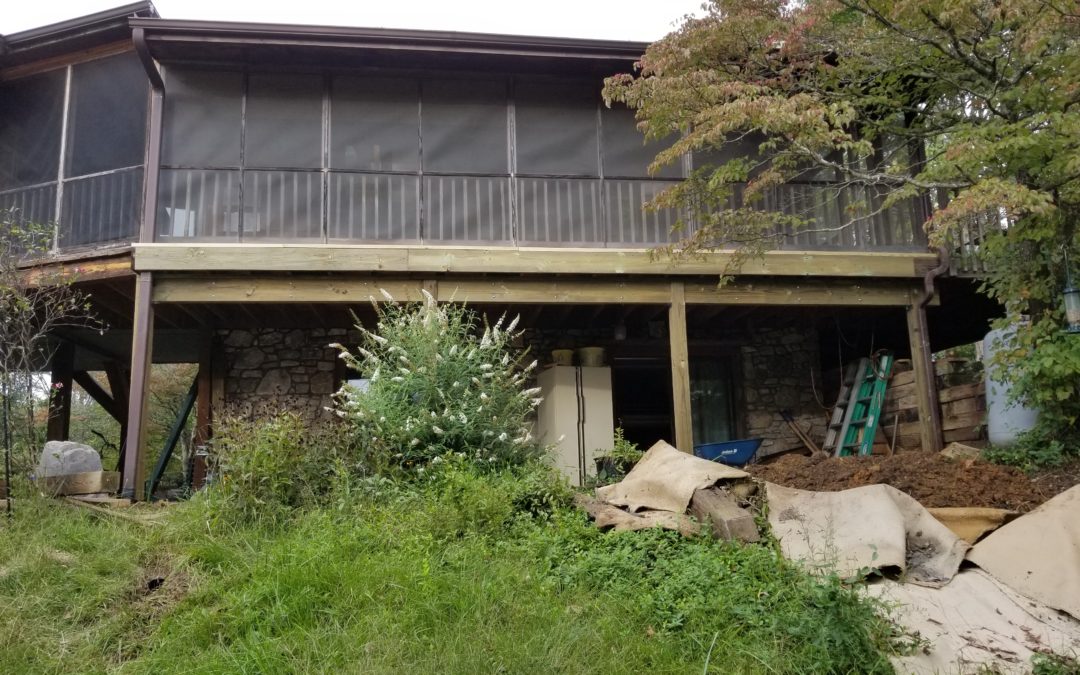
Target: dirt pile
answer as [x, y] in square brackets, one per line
[930, 478]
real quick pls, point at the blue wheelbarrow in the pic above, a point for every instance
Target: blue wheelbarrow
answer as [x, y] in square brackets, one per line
[732, 453]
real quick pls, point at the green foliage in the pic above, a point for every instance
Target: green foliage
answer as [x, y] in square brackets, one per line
[438, 389]
[384, 584]
[265, 468]
[1053, 664]
[614, 464]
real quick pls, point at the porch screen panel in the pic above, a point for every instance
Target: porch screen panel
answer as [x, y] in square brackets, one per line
[375, 124]
[106, 144]
[625, 151]
[560, 211]
[30, 126]
[467, 209]
[556, 130]
[102, 208]
[107, 125]
[373, 207]
[464, 126]
[283, 121]
[282, 206]
[202, 119]
[629, 223]
[198, 205]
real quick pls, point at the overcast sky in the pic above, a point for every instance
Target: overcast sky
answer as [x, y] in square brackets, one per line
[644, 20]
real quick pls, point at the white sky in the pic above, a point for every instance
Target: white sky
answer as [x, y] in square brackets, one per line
[644, 20]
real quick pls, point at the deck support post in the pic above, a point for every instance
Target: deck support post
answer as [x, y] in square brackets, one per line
[142, 344]
[925, 379]
[63, 372]
[680, 369]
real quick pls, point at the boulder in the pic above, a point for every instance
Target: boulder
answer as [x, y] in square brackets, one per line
[61, 458]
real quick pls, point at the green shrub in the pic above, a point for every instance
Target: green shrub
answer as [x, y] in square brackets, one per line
[265, 467]
[438, 389]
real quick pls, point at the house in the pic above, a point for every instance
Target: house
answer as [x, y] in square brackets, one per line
[228, 192]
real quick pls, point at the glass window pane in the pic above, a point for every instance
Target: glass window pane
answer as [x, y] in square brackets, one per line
[202, 118]
[375, 124]
[711, 400]
[30, 112]
[625, 151]
[282, 205]
[555, 125]
[464, 209]
[284, 121]
[373, 207]
[464, 126]
[107, 115]
[195, 204]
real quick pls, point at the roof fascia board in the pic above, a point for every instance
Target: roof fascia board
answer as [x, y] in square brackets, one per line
[384, 38]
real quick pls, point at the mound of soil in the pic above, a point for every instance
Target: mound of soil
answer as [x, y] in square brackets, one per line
[932, 479]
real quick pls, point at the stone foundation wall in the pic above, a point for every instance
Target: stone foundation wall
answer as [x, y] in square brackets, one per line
[781, 368]
[269, 370]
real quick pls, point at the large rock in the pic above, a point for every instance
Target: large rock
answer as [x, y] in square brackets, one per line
[61, 458]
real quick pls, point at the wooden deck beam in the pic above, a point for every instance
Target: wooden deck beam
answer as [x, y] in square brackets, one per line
[269, 288]
[509, 260]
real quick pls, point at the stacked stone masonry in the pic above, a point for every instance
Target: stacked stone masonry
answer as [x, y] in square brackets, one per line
[269, 370]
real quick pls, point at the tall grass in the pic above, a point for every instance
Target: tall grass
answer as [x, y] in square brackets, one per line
[466, 573]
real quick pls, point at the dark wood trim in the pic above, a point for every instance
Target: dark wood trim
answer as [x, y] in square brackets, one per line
[63, 371]
[141, 350]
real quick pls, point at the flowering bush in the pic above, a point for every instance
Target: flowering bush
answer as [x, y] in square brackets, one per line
[436, 388]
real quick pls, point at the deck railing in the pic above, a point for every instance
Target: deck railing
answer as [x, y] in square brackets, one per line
[96, 209]
[336, 206]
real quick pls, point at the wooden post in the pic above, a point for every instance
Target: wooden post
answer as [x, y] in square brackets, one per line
[203, 409]
[63, 371]
[680, 369]
[118, 385]
[925, 380]
[142, 347]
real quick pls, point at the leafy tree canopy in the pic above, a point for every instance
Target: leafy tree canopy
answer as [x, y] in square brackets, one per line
[971, 107]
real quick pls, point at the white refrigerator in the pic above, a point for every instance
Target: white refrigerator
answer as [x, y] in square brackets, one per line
[576, 418]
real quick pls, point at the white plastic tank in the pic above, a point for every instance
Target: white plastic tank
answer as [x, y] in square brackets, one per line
[1005, 419]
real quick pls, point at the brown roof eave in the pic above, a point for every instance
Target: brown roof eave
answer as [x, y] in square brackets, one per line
[254, 34]
[72, 35]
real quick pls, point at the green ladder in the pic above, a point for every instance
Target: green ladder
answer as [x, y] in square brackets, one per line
[857, 413]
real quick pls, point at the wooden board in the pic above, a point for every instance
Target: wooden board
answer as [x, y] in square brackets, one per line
[205, 257]
[962, 391]
[90, 482]
[267, 288]
[729, 521]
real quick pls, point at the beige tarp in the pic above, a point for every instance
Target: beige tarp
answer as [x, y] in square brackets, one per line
[862, 529]
[975, 625]
[665, 479]
[1038, 554]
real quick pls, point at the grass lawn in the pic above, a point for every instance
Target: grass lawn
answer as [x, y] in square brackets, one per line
[464, 575]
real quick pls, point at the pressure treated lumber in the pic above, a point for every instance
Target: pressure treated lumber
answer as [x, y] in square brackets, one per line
[729, 521]
[267, 288]
[86, 483]
[425, 259]
[680, 370]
